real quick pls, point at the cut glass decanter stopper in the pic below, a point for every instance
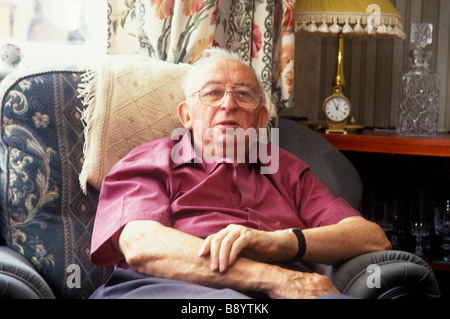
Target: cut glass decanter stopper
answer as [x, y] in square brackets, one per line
[421, 34]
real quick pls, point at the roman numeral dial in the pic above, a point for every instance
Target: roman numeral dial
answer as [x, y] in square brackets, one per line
[337, 109]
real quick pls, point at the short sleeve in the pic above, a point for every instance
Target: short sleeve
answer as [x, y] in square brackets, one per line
[135, 189]
[317, 204]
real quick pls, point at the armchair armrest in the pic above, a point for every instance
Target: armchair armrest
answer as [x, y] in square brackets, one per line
[395, 274]
[19, 279]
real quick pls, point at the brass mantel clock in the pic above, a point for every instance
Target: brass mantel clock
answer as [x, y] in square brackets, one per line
[336, 109]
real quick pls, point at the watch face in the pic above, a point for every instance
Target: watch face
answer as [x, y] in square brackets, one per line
[337, 109]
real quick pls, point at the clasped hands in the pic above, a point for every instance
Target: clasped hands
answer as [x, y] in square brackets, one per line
[227, 245]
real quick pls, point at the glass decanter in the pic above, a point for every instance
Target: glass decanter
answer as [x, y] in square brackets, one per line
[418, 99]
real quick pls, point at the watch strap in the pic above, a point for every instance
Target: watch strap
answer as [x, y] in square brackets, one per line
[301, 243]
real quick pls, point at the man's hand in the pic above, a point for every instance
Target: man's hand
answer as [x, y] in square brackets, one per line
[330, 244]
[300, 285]
[225, 246]
[173, 254]
[166, 258]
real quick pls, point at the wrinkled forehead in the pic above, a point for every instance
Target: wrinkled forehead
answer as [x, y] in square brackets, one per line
[227, 71]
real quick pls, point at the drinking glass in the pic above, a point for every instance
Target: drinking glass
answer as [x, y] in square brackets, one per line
[441, 212]
[420, 219]
[385, 213]
[419, 229]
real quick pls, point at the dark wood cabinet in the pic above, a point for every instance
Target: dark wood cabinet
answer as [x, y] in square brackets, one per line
[395, 167]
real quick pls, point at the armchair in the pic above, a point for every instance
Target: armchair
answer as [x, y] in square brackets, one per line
[46, 220]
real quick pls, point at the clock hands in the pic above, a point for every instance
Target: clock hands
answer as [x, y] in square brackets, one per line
[336, 106]
[337, 109]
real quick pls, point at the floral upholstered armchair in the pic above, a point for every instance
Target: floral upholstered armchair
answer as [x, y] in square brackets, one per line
[46, 214]
[46, 220]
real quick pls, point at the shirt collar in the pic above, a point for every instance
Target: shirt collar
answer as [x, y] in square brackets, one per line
[192, 157]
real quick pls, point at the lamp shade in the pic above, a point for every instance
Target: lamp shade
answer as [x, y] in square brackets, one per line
[353, 17]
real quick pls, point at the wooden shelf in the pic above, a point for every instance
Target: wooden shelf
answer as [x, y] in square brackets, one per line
[385, 141]
[439, 266]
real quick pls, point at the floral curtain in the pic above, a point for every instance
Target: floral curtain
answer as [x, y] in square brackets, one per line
[261, 31]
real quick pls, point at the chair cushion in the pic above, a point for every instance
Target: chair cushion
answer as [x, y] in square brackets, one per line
[44, 214]
[129, 100]
[19, 279]
[401, 274]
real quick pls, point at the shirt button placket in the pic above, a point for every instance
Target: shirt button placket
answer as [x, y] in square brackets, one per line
[234, 188]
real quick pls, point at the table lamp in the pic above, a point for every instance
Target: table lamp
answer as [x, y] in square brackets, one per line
[354, 18]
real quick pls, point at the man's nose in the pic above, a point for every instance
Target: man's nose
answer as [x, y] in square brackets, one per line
[229, 103]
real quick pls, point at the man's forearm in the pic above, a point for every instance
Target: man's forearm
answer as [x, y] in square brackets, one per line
[159, 251]
[351, 237]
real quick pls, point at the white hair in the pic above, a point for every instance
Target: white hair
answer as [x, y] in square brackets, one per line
[213, 54]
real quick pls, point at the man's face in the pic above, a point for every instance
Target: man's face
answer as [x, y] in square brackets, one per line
[227, 115]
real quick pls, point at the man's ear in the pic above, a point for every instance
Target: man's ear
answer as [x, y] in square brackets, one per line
[184, 116]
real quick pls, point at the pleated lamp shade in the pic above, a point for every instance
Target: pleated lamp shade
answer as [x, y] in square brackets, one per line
[350, 17]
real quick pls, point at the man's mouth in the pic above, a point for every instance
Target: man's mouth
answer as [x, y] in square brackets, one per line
[227, 124]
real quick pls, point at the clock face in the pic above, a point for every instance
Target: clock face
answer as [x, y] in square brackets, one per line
[337, 109]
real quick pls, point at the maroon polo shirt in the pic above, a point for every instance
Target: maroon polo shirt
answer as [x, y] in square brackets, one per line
[200, 198]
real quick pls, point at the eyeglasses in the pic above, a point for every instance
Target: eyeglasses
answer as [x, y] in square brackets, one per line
[214, 95]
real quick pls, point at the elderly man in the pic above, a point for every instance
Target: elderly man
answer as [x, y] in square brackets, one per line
[194, 228]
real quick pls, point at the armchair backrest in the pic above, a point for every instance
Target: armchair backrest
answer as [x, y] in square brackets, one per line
[44, 215]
